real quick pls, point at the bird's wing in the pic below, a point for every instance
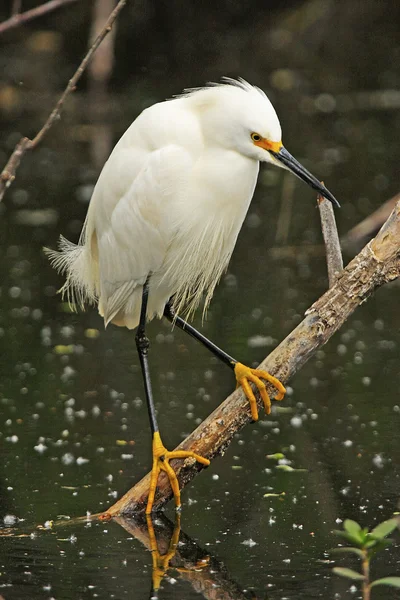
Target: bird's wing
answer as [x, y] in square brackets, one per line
[135, 242]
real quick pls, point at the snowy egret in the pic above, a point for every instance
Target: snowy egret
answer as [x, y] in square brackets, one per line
[163, 221]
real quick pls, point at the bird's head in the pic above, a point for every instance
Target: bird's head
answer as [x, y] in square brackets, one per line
[240, 117]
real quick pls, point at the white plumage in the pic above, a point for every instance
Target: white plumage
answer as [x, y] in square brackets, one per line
[170, 202]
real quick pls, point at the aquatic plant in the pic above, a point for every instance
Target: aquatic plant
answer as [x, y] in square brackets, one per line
[366, 544]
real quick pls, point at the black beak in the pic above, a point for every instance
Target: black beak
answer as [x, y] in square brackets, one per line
[293, 165]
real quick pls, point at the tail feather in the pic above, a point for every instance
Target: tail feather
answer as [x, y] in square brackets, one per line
[75, 262]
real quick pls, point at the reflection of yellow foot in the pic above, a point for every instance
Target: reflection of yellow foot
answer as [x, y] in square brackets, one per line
[244, 375]
[161, 458]
[161, 561]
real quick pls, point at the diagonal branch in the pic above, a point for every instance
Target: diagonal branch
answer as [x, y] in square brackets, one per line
[18, 18]
[7, 176]
[377, 264]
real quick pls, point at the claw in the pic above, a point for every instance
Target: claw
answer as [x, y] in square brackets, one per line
[161, 458]
[244, 375]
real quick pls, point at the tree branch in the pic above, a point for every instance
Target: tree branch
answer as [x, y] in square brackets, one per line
[377, 263]
[7, 176]
[334, 258]
[18, 18]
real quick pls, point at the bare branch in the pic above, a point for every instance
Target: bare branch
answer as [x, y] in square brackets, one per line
[369, 226]
[377, 263]
[16, 7]
[18, 18]
[334, 258]
[7, 176]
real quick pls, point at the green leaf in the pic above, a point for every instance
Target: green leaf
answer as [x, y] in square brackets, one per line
[349, 573]
[379, 545]
[276, 456]
[384, 529]
[350, 538]
[370, 543]
[349, 551]
[393, 581]
[353, 529]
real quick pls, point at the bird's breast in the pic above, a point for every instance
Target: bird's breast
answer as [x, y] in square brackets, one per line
[225, 180]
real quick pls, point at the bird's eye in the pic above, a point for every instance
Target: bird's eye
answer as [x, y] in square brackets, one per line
[256, 137]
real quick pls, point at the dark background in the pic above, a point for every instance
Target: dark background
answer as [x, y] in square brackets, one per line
[73, 427]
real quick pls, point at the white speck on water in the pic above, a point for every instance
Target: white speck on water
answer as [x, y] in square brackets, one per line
[137, 402]
[127, 456]
[96, 410]
[81, 461]
[250, 543]
[9, 520]
[68, 458]
[260, 341]
[366, 381]
[72, 538]
[208, 375]
[378, 461]
[215, 477]
[296, 422]
[347, 443]
[40, 448]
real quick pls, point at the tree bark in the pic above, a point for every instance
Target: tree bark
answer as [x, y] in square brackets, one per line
[376, 264]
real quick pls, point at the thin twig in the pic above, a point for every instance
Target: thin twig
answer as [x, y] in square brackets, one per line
[334, 258]
[16, 7]
[377, 263]
[19, 18]
[99, 74]
[364, 230]
[7, 176]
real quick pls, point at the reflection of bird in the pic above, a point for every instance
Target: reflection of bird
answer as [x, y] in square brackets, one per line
[164, 218]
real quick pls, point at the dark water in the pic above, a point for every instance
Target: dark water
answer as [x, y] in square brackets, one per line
[73, 427]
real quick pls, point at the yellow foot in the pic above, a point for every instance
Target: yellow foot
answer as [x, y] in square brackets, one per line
[161, 458]
[161, 561]
[244, 375]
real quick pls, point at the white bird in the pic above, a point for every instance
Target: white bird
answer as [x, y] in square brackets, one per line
[164, 218]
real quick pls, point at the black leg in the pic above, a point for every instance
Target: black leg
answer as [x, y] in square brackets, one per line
[161, 456]
[143, 344]
[182, 324]
[243, 374]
